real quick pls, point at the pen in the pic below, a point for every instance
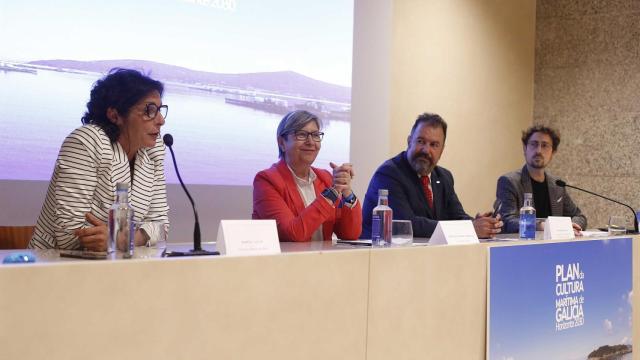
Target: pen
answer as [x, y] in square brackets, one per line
[353, 243]
[497, 210]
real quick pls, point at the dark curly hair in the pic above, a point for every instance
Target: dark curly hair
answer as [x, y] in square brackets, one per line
[553, 134]
[121, 89]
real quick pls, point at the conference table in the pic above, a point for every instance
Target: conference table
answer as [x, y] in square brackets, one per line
[312, 301]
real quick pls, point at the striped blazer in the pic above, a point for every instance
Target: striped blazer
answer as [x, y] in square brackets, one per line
[84, 180]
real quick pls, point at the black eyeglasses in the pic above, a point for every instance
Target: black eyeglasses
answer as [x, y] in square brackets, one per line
[151, 111]
[302, 135]
[543, 144]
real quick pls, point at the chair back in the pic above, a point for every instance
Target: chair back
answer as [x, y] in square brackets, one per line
[15, 237]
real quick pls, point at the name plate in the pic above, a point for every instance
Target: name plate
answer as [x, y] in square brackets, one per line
[558, 228]
[454, 232]
[247, 237]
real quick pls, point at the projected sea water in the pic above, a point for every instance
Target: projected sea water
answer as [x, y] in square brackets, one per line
[215, 142]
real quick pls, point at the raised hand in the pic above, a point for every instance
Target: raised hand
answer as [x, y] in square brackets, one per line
[342, 176]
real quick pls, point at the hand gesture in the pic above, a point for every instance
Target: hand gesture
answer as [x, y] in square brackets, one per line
[342, 176]
[487, 226]
[93, 238]
[577, 229]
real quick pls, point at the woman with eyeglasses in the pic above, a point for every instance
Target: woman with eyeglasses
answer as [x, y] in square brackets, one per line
[308, 204]
[119, 143]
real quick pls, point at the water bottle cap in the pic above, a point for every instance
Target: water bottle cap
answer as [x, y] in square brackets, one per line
[383, 192]
[122, 186]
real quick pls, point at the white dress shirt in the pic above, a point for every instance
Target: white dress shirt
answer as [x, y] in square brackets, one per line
[308, 193]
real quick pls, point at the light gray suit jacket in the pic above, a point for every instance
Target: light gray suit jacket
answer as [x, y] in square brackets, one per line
[510, 192]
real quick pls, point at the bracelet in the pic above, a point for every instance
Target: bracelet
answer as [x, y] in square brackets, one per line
[350, 199]
[331, 194]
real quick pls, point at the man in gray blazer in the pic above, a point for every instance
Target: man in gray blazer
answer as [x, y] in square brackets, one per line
[539, 143]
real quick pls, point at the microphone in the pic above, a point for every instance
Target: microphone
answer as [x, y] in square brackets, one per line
[635, 219]
[197, 247]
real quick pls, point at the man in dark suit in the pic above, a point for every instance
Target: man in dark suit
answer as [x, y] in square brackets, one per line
[539, 144]
[419, 190]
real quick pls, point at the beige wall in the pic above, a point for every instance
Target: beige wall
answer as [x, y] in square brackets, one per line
[370, 88]
[470, 61]
[587, 81]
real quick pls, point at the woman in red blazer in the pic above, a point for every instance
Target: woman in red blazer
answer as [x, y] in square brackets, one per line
[307, 203]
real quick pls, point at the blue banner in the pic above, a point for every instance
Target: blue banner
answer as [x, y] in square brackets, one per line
[569, 300]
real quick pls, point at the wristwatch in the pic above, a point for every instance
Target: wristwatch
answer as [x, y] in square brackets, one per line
[330, 193]
[350, 199]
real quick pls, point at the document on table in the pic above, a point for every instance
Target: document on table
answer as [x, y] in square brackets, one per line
[590, 233]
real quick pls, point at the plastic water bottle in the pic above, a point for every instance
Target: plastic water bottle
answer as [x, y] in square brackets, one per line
[528, 218]
[381, 220]
[121, 229]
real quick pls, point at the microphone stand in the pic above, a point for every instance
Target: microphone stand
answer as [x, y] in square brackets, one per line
[197, 246]
[635, 218]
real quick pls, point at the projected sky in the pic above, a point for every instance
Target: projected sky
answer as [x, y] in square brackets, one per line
[231, 70]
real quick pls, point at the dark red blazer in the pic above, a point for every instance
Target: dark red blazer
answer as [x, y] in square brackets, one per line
[276, 196]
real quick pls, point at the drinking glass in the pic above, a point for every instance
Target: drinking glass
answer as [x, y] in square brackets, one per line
[617, 225]
[401, 232]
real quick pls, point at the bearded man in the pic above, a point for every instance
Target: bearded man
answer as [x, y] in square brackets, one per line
[419, 189]
[539, 145]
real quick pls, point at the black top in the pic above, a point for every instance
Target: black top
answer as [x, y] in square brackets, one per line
[541, 198]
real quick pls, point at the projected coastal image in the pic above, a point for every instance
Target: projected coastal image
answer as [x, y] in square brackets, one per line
[231, 69]
[561, 301]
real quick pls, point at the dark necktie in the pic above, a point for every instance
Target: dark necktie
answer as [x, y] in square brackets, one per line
[427, 190]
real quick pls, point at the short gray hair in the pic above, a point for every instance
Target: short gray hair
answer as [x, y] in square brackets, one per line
[294, 121]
